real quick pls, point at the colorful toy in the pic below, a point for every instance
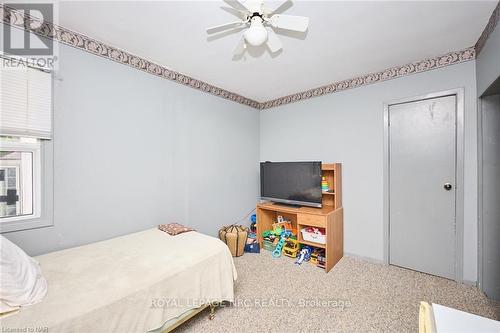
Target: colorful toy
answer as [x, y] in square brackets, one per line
[279, 246]
[286, 225]
[304, 255]
[268, 245]
[317, 252]
[314, 257]
[324, 185]
[319, 231]
[269, 240]
[291, 248]
[277, 250]
[266, 234]
[277, 230]
[321, 261]
[253, 225]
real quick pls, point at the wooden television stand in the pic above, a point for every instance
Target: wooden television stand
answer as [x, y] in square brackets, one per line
[330, 217]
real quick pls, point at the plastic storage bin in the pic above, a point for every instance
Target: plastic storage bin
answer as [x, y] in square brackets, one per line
[268, 245]
[310, 236]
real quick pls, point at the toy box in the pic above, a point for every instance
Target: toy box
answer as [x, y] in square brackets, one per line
[316, 235]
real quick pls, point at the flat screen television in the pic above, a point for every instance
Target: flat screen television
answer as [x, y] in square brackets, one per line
[294, 183]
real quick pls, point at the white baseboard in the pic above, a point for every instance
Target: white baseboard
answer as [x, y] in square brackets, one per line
[470, 283]
[367, 259]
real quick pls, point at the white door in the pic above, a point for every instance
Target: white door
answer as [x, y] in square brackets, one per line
[422, 173]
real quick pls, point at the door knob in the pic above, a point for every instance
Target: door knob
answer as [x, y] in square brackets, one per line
[447, 186]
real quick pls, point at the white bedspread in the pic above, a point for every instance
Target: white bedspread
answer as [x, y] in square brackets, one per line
[132, 283]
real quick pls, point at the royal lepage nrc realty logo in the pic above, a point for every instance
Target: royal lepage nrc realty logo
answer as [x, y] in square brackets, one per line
[22, 33]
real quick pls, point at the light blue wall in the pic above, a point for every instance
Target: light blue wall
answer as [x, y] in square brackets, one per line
[488, 70]
[490, 192]
[488, 62]
[132, 151]
[347, 127]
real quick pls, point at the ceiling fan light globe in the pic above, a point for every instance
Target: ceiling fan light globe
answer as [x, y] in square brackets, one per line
[256, 35]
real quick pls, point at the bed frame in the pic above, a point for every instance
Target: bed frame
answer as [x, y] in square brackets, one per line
[173, 323]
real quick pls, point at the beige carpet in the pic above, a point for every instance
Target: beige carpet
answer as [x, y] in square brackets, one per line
[274, 295]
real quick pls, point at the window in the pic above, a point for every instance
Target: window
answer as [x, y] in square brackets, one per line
[19, 179]
[25, 102]
[25, 128]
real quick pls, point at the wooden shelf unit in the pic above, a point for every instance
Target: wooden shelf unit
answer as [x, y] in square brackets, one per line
[330, 216]
[333, 174]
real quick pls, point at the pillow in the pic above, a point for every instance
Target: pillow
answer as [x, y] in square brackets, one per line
[21, 280]
[174, 228]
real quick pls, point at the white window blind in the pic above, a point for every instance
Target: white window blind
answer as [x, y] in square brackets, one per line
[25, 102]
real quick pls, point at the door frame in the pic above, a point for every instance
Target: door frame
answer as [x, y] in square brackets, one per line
[480, 192]
[459, 176]
[480, 185]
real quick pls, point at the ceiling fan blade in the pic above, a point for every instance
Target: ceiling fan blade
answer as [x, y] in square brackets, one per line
[254, 6]
[289, 22]
[281, 7]
[273, 41]
[223, 27]
[237, 5]
[238, 13]
[240, 48]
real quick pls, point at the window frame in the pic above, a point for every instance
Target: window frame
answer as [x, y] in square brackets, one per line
[35, 149]
[42, 215]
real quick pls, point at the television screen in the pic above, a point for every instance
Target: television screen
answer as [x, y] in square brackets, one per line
[296, 183]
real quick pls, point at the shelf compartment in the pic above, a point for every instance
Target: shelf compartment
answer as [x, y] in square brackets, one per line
[321, 246]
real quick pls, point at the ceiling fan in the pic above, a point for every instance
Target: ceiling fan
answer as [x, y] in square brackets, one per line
[260, 19]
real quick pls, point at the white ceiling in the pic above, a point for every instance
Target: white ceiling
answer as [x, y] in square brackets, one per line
[345, 39]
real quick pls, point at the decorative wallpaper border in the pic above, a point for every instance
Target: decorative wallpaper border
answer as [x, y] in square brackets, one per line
[492, 23]
[388, 74]
[91, 45]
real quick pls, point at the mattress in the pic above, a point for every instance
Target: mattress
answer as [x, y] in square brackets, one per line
[133, 283]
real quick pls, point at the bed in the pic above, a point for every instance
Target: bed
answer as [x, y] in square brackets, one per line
[435, 318]
[135, 283]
